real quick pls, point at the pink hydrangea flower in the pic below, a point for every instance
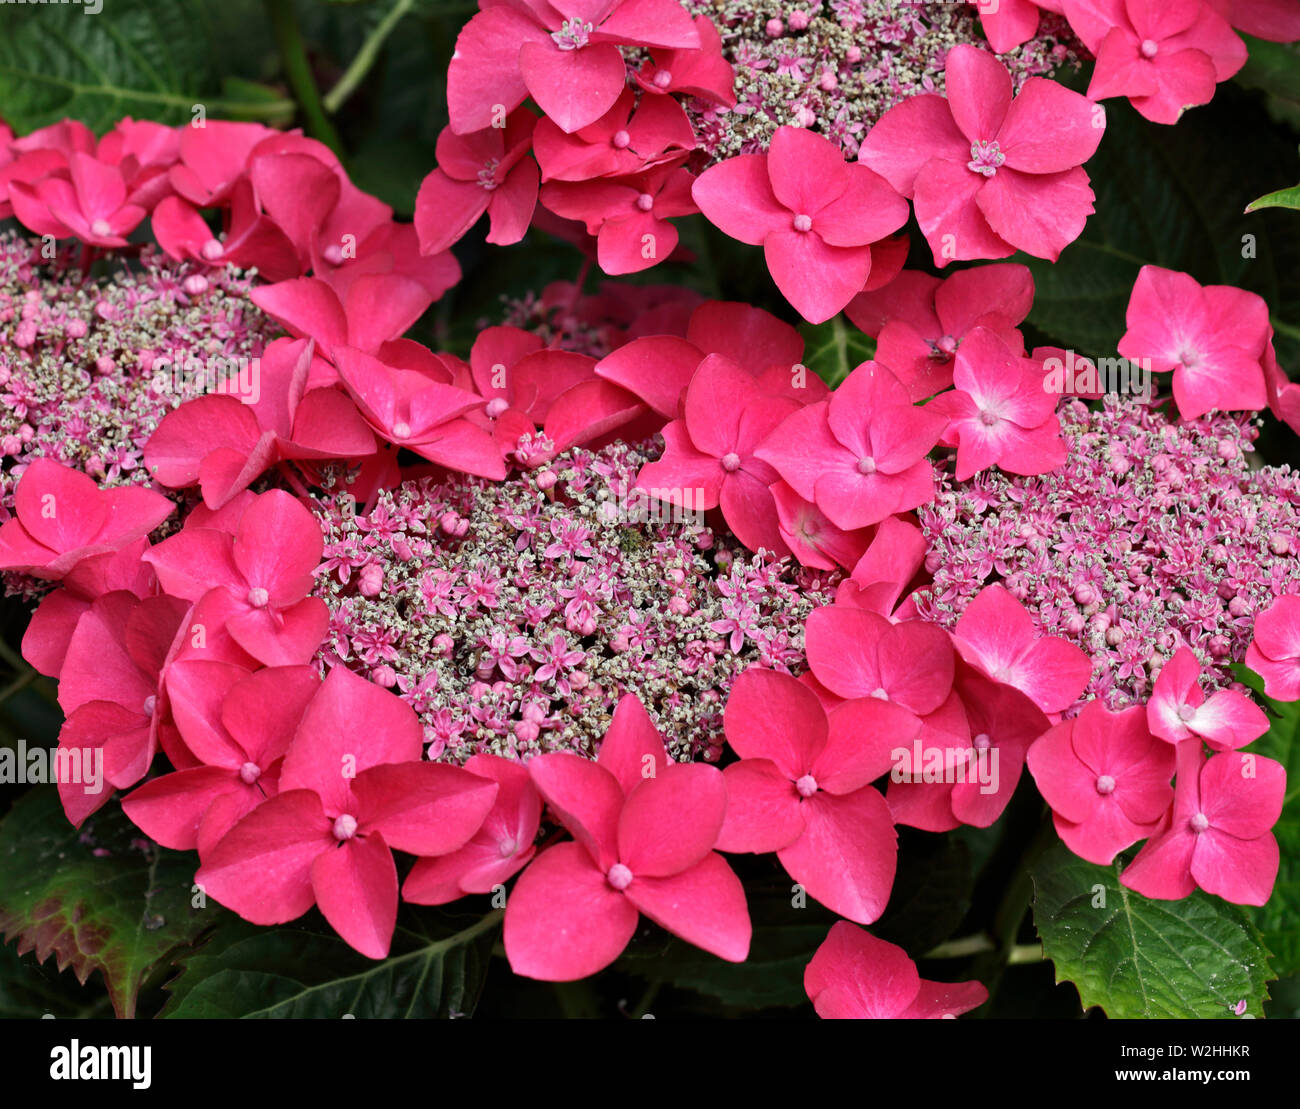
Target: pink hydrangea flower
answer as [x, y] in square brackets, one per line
[709, 455]
[629, 216]
[326, 838]
[1274, 653]
[997, 635]
[814, 215]
[999, 414]
[225, 443]
[1211, 337]
[237, 726]
[858, 653]
[860, 456]
[112, 694]
[89, 204]
[1217, 836]
[1107, 779]
[701, 73]
[854, 976]
[920, 321]
[564, 55]
[260, 577]
[989, 174]
[644, 831]
[62, 518]
[484, 171]
[1179, 710]
[627, 139]
[802, 788]
[1164, 55]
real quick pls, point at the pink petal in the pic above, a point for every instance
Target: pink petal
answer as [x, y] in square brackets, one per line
[847, 855]
[572, 87]
[632, 750]
[564, 920]
[771, 715]
[425, 808]
[586, 798]
[764, 812]
[671, 821]
[736, 197]
[356, 889]
[704, 905]
[262, 868]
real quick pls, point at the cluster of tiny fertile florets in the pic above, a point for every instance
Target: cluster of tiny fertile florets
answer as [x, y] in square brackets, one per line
[836, 66]
[513, 616]
[555, 323]
[82, 359]
[1152, 536]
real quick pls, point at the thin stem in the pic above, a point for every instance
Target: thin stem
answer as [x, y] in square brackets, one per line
[298, 71]
[19, 683]
[961, 948]
[365, 59]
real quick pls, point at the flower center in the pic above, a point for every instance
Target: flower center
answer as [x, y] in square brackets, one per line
[496, 406]
[663, 78]
[573, 34]
[149, 704]
[507, 847]
[249, 773]
[880, 694]
[487, 176]
[212, 250]
[619, 876]
[943, 349]
[257, 597]
[102, 227]
[987, 418]
[866, 465]
[985, 157]
[731, 462]
[1199, 823]
[806, 786]
[345, 827]
[401, 429]
[1185, 712]
[645, 202]
[802, 222]
[981, 742]
[1105, 784]
[1150, 48]
[621, 139]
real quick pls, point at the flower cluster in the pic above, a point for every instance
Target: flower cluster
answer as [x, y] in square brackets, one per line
[513, 617]
[836, 66]
[90, 367]
[462, 608]
[1156, 534]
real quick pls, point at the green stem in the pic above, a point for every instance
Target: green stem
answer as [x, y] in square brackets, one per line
[962, 947]
[365, 59]
[1285, 328]
[20, 682]
[298, 71]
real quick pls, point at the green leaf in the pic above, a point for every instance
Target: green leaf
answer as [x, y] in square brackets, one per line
[437, 969]
[1175, 197]
[1197, 957]
[834, 348]
[133, 57]
[1283, 198]
[99, 899]
[1277, 919]
[1274, 68]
